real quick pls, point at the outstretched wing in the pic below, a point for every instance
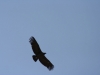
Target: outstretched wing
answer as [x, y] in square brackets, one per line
[35, 46]
[46, 62]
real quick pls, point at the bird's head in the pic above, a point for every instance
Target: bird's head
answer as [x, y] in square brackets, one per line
[44, 53]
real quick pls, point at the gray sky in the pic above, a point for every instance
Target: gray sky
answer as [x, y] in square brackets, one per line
[67, 30]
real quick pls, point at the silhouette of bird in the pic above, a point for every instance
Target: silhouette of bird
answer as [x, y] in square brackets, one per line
[39, 55]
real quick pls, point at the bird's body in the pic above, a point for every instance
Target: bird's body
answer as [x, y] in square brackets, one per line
[39, 54]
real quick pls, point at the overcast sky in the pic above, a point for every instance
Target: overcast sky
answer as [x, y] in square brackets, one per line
[67, 30]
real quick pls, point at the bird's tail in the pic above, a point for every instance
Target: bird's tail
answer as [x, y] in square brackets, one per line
[35, 58]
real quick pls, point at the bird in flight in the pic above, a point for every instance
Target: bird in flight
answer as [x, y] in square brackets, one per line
[39, 55]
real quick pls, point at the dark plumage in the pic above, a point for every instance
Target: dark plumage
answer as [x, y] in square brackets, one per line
[39, 54]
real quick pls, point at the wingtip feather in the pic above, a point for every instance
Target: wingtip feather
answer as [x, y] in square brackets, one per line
[31, 39]
[51, 67]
